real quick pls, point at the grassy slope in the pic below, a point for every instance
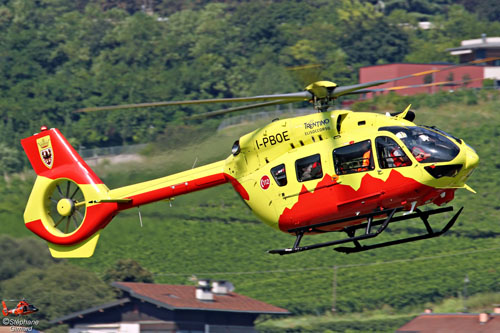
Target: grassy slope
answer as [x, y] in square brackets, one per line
[385, 319]
[213, 235]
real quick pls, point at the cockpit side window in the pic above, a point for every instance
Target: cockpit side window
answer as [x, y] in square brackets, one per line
[425, 145]
[279, 175]
[353, 158]
[390, 154]
[309, 168]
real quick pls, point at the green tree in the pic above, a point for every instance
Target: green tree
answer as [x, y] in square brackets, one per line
[424, 8]
[485, 9]
[127, 270]
[447, 31]
[22, 254]
[10, 159]
[367, 37]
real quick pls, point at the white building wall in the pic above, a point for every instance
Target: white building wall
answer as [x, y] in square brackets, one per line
[130, 328]
[107, 328]
[492, 72]
[480, 41]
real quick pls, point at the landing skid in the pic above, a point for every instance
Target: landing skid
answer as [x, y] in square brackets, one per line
[367, 226]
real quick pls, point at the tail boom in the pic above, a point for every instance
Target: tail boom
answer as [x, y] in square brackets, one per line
[62, 173]
[171, 186]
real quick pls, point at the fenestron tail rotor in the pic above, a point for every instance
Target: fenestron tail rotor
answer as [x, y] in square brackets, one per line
[66, 205]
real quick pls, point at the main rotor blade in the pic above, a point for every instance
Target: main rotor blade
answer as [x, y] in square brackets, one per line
[237, 108]
[354, 89]
[283, 98]
[441, 83]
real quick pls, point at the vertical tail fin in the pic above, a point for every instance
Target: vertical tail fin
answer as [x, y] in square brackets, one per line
[5, 311]
[64, 206]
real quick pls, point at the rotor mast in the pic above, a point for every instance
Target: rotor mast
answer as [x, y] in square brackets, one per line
[322, 92]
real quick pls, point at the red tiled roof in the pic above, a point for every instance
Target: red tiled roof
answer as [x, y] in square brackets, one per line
[183, 297]
[451, 323]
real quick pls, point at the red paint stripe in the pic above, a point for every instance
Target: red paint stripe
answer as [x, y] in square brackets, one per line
[329, 204]
[238, 187]
[96, 217]
[184, 188]
[175, 190]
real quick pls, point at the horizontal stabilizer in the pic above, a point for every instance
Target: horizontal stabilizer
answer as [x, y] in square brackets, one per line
[84, 249]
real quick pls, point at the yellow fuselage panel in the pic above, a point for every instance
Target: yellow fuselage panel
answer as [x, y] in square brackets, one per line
[277, 138]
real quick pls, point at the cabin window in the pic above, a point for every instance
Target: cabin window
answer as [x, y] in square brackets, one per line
[426, 145]
[390, 154]
[279, 174]
[353, 158]
[309, 168]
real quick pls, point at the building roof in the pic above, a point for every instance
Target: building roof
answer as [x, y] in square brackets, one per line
[99, 308]
[475, 46]
[481, 43]
[175, 297]
[451, 323]
[437, 63]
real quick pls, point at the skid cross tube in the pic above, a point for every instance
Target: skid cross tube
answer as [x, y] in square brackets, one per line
[367, 226]
[314, 227]
[418, 214]
[300, 232]
[430, 234]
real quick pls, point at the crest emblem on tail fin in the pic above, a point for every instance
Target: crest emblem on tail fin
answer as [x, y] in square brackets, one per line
[46, 152]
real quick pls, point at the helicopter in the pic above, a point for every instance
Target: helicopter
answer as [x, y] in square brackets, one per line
[331, 171]
[22, 308]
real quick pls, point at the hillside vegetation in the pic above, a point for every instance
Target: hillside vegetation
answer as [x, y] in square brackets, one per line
[61, 55]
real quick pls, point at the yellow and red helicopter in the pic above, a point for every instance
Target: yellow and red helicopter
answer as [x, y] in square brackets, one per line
[22, 308]
[330, 171]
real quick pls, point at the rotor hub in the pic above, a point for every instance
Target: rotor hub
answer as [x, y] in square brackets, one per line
[65, 207]
[322, 89]
[322, 92]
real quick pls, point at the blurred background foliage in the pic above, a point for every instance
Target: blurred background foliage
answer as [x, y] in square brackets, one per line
[58, 55]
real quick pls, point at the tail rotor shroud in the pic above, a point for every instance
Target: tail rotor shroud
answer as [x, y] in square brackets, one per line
[66, 206]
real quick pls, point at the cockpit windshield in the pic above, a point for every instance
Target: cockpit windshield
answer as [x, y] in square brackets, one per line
[426, 146]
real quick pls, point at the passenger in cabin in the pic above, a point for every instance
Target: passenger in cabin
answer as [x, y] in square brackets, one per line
[365, 162]
[398, 157]
[418, 151]
[312, 171]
